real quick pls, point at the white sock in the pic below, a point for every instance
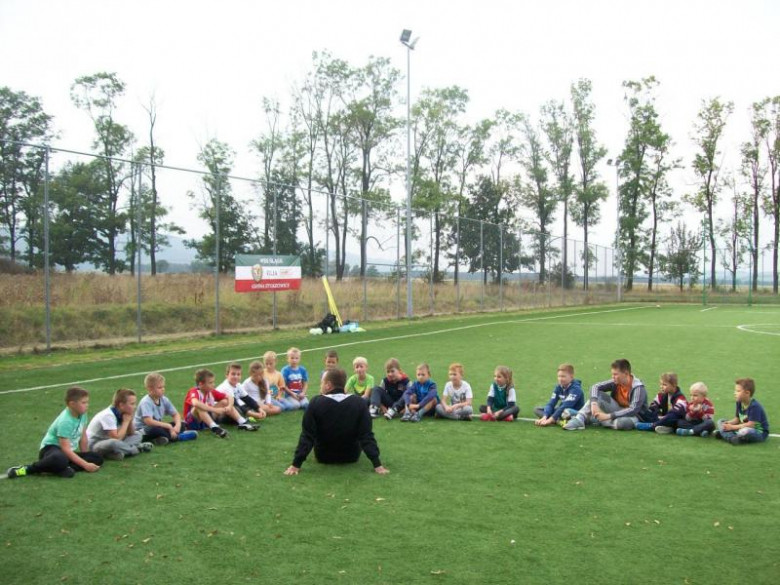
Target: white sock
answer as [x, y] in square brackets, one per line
[242, 421]
[213, 425]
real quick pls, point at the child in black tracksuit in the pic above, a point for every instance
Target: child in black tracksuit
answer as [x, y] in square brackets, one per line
[388, 397]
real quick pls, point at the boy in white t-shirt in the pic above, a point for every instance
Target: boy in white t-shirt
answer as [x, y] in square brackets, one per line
[457, 396]
[111, 432]
[238, 397]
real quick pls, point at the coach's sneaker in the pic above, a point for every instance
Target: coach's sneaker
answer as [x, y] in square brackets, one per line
[162, 441]
[145, 447]
[247, 427]
[575, 424]
[662, 430]
[686, 432]
[407, 416]
[373, 411]
[643, 426]
[220, 432]
[16, 471]
[390, 413]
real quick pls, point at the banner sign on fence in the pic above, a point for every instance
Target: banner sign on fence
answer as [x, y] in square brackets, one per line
[261, 273]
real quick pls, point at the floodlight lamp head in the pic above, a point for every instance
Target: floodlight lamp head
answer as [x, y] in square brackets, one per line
[406, 34]
[413, 43]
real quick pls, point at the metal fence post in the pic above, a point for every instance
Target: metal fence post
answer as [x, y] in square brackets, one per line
[520, 268]
[457, 263]
[482, 263]
[217, 198]
[398, 262]
[46, 259]
[327, 236]
[138, 216]
[501, 267]
[364, 226]
[276, 238]
[430, 267]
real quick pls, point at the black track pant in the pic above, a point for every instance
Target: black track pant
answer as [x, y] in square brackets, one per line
[52, 459]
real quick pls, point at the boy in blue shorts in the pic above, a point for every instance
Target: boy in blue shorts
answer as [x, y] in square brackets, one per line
[64, 448]
[750, 424]
[152, 410]
[296, 380]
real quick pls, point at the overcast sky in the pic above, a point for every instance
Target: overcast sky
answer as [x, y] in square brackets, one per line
[210, 63]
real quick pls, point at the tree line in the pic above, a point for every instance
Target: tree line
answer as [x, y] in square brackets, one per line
[340, 135]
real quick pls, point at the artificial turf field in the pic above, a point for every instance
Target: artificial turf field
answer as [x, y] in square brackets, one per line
[464, 502]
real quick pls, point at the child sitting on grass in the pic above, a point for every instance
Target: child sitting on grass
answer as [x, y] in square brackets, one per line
[667, 408]
[388, 398]
[457, 396]
[421, 397]
[111, 434]
[699, 417]
[237, 397]
[274, 380]
[566, 400]
[361, 382]
[63, 450]
[296, 381]
[750, 424]
[502, 398]
[204, 403]
[152, 410]
[331, 362]
[256, 387]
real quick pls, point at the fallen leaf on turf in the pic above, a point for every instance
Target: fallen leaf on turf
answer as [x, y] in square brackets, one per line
[160, 496]
[336, 537]
[212, 533]
[342, 507]
[211, 508]
[65, 531]
[131, 545]
[716, 524]
[628, 523]
[731, 528]
[439, 572]
[342, 572]
[379, 500]
[146, 540]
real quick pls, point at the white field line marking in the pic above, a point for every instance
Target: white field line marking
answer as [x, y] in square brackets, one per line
[351, 343]
[524, 419]
[707, 309]
[746, 329]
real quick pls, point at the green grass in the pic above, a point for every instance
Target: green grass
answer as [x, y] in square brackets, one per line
[595, 506]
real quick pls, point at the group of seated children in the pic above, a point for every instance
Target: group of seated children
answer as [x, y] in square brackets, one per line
[124, 430]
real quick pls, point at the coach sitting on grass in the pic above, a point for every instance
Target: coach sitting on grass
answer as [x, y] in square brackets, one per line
[337, 426]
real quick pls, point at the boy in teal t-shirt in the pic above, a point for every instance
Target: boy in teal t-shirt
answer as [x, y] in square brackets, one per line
[63, 449]
[361, 382]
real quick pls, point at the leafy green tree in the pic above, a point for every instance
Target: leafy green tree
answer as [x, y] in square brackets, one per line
[97, 95]
[680, 258]
[588, 190]
[235, 223]
[74, 192]
[735, 232]
[22, 120]
[708, 130]
[768, 117]
[470, 154]
[487, 202]
[536, 193]
[436, 116]
[559, 130]
[369, 107]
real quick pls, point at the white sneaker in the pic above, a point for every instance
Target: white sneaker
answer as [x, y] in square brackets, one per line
[373, 411]
[390, 414]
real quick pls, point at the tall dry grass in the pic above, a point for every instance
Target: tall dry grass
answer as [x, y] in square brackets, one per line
[90, 307]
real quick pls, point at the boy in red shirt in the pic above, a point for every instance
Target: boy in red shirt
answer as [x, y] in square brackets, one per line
[204, 403]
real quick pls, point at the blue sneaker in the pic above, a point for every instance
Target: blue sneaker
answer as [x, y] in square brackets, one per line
[686, 432]
[644, 426]
[704, 434]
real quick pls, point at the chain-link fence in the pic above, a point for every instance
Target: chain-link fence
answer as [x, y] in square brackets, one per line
[196, 221]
